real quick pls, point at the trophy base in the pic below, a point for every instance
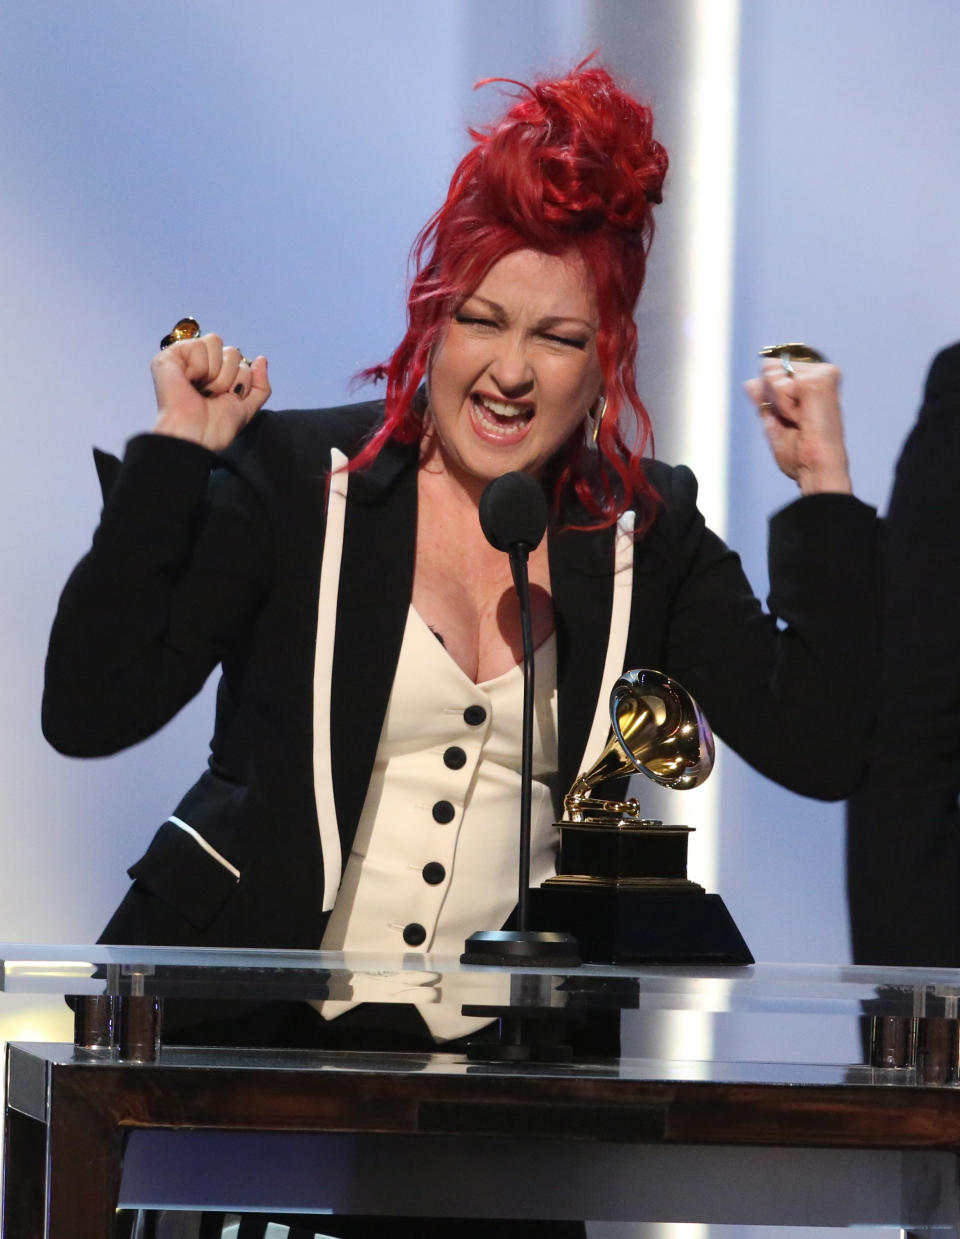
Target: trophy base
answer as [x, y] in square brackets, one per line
[660, 926]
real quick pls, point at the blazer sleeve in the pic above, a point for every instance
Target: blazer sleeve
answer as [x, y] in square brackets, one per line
[178, 566]
[791, 689]
[903, 824]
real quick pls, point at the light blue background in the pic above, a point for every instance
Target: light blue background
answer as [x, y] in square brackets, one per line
[264, 166]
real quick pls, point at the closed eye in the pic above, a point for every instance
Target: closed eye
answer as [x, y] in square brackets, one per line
[475, 320]
[470, 321]
[571, 341]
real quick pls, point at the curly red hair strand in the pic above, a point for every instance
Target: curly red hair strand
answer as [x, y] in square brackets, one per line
[572, 166]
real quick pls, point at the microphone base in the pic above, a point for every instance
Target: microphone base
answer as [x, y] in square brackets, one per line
[520, 948]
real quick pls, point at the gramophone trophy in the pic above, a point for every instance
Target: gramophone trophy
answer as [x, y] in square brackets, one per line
[621, 887]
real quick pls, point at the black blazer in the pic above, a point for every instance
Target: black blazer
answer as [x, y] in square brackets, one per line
[903, 825]
[188, 570]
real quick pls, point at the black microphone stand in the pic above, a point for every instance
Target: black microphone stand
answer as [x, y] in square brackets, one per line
[521, 580]
[521, 946]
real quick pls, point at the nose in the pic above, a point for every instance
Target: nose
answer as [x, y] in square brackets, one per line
[510, 367]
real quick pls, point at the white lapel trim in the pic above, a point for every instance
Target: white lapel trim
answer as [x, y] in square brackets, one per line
[617, 640]
[323, 677]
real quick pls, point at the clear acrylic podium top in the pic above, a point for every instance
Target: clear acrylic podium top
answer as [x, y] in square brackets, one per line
[50, 968]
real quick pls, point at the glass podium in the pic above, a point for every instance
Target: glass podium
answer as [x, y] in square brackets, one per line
[119, 1117]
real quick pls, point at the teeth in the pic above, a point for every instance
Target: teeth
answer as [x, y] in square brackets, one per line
[498, 409]
[501, 409]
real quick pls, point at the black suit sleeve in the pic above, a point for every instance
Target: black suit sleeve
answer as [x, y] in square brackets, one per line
[790, 689]
[903, 836]
[179, 563]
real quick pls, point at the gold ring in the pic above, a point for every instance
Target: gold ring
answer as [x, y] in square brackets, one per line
[765, 406]
[184, 329]
[792, 352]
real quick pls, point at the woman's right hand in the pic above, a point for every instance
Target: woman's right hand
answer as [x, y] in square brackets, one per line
[206, 392]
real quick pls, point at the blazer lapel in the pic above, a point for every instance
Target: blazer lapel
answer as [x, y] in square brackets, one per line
[581, 579]
[376, 583]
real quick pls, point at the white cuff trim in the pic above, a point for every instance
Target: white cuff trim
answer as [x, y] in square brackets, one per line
[211, 851]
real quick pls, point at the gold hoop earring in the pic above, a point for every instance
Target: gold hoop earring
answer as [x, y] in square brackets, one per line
[595, 421]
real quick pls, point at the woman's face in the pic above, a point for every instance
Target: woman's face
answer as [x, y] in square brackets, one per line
[517, 371]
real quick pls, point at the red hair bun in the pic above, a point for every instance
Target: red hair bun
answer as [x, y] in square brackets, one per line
[573, 154]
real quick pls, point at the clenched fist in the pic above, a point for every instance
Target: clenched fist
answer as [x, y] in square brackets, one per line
[803, 423]
[207, 392]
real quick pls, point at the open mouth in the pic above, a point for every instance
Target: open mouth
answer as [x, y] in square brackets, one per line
[502, 420]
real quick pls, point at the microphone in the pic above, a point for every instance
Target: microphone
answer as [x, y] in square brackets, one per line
[513, 517]
[513, 512]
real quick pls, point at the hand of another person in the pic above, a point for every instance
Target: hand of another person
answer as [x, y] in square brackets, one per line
[207, 392]
[803, 423]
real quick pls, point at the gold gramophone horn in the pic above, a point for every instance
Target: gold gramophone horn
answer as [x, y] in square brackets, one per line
[658, 730]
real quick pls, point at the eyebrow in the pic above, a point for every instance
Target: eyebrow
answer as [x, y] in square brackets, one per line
[550, 321]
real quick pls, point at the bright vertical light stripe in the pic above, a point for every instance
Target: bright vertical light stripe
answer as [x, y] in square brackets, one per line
[707, 298]
[707, 237]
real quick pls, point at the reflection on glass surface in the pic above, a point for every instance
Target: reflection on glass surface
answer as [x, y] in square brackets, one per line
[47, 976]
[336, 976]
[672, 1016]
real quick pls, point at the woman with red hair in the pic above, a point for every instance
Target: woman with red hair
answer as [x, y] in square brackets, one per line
[363, 782]
[570, 173]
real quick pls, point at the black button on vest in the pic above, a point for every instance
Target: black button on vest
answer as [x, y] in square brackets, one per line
[454, 758]
[434, 872]
[414, 934]
[474, 715]
[443, 812]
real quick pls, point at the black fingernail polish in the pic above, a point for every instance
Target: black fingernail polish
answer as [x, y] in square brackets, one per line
[239, 389]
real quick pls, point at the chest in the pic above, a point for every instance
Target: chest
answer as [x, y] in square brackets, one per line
[463, 590]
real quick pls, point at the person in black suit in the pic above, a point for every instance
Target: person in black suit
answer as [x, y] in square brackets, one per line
[903, 823]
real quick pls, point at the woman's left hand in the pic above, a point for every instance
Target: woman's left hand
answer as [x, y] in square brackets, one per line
[803, 423]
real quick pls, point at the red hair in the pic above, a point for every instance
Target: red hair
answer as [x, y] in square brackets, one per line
[572, 166]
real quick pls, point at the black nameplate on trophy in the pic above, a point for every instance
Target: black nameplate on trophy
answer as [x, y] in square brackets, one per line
[622, 853]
